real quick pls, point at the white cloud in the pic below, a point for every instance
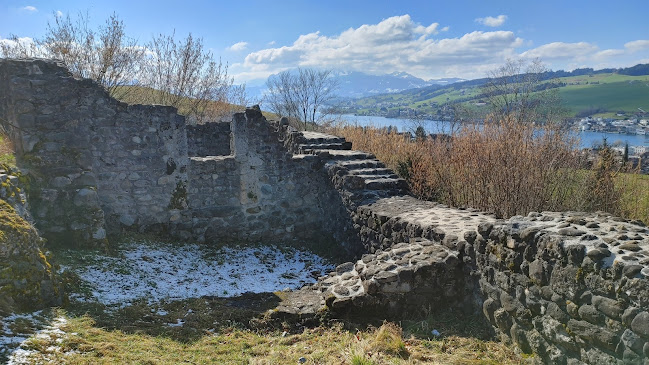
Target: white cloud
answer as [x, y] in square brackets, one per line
[271, 43]
[491, 21]
[559, 50]
[609, 53]
[59, 13]
[240, 46]
[568, 56]
[29, 8]
[638, 45]
[394, 44]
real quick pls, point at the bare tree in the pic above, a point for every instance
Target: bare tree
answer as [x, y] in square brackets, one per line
[179, 73]
[300, 96]
[16, 47]
[519, 90]
[107, 55]
[184, 75]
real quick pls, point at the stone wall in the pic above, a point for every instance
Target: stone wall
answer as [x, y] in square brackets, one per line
[260, 192]
[100, 166]
[209, 139]
[96, 163]
[568, 287]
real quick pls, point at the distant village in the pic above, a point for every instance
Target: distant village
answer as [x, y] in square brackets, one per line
[619, 126]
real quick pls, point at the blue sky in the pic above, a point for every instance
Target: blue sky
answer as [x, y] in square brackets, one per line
[429, 39]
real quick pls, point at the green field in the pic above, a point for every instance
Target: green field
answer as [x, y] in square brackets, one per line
[628, 95]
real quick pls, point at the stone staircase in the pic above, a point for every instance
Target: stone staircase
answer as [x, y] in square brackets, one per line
[359, 176]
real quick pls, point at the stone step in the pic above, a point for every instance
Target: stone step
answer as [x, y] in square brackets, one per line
[385, 184]
[371, 171]
[306, 148]
[377, 176]
[315, 138]
[361, 164]
[343, 155]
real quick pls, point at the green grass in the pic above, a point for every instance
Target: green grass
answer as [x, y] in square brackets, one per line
[616, 96]
[7, 156]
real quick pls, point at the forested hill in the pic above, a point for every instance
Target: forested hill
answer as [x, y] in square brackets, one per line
[584, 92]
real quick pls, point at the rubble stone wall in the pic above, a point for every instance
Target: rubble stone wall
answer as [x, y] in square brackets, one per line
[568, 287]
[209, 139]
[100, 166]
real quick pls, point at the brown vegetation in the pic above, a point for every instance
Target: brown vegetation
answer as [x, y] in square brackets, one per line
[508, 168]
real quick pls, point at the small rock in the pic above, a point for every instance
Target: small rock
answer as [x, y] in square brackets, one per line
[640, 324]
[631, 270]
[630, 246]
[571, 231]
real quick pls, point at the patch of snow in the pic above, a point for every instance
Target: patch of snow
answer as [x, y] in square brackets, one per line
[51, 333]
[162, 271]
[179, 323]
[9, 338]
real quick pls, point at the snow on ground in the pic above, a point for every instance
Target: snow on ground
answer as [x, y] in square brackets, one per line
[52, 333]
[161, 271]
[16, 328]
[157, 272]
[16, 331]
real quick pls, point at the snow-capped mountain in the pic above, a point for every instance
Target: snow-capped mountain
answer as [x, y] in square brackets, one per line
[359, 84]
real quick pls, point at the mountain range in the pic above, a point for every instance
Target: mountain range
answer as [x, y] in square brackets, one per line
[359, 84]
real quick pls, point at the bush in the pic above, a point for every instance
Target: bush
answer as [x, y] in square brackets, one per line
[501, 166]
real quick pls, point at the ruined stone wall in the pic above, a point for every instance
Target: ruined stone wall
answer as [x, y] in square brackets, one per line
[209, 139]
[96, 163]
[99, 166]
[568, 287]
[39, 108]
[260, 192]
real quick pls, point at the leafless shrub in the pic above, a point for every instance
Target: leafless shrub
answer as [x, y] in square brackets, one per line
[106, 55]
[181, 73]
[16, 47]
[503, 166]
[519, 90]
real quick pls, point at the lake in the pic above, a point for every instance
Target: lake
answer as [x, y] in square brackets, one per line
[587, 138]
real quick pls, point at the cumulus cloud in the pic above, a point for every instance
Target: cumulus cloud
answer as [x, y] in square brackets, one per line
[491, 21]
[29, 8]
[394, 44]
[239, 46]
[638, 45]
[559, 50]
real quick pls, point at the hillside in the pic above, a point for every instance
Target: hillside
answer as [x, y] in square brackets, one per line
[584, 92]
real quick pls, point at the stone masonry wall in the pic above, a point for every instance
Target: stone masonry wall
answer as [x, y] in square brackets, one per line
[96, 163]
[209, 139]
[567, 288]
[260, 192]
[99, 166]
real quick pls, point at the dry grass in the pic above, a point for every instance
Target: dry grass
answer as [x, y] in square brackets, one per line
[87, 344]
[507, 168]
[502, 166]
